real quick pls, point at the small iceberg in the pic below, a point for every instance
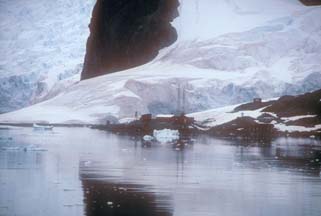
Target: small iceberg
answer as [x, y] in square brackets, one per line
[42, 127]
[10, 148]
[148, 138]
[166, 135]
[34, 149]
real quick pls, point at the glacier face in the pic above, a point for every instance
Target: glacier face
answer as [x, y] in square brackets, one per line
[285, 49]
[41, 42]
[249, 49]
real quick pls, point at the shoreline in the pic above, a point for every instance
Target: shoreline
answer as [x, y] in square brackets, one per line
[316, 135]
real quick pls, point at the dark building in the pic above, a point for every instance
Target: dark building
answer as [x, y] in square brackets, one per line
[257, 100]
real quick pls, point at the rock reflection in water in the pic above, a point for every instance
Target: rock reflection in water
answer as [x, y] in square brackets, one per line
[105, 197]
[297, 155]
[112, 199]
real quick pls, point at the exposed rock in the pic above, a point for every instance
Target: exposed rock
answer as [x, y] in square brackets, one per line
[245, 127]
[311, 2]
[128, 33]
[307, 104]
[252, 106]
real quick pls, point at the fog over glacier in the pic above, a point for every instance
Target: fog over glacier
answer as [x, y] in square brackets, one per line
[227, 52]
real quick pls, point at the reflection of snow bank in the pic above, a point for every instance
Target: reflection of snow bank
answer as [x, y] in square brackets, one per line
[21, 148]
[8, 127]
[294, 128]
[166, 135]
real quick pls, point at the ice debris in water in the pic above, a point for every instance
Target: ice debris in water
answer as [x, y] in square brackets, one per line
[87, 163]
[148, 138]
[10, 148]
[20, 148]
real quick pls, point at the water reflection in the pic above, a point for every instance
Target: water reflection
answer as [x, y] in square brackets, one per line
[97, 173]
[106, 198]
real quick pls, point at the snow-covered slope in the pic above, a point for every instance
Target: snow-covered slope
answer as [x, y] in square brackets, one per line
[206, 19]
[220, 116]
[120, 95]
[300, 113]
[41, 43]
[228, 52]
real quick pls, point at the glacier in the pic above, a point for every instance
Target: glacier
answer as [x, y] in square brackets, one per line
[42, 43]
[227, 52]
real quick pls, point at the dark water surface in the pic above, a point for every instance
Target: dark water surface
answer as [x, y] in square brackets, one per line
[76, 172]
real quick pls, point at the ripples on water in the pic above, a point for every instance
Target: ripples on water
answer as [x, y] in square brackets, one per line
[74, 171]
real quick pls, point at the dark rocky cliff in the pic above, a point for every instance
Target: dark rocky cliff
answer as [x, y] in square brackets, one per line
[128, 33]
[311, 2]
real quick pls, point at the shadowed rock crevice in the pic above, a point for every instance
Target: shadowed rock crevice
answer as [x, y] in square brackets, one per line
[128, 33]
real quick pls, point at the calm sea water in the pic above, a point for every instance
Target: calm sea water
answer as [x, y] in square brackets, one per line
[74, 171]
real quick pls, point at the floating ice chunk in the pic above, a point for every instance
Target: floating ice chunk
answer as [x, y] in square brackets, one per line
[87, 163]
[148, 138]
[19, 148]
[166, 135]
[11, 148]
[68, 189]
[8, 127]
[35, 149]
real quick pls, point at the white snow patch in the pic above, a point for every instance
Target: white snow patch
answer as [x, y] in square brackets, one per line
[127, 120]
[214, 117]
[294, 118]
[164, 116]
[284, 128]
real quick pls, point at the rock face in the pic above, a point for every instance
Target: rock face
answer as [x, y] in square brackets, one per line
[311, 2]
[128, 33]
[306, 104]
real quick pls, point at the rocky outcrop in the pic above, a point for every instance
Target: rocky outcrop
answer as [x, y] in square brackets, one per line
[311, 2]
[128, 33]
[298, 116]
[306, 104]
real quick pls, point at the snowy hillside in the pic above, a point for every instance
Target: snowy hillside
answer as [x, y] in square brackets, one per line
[228, 52]
[41, 43]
